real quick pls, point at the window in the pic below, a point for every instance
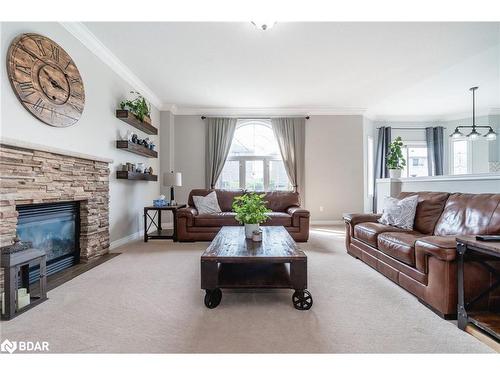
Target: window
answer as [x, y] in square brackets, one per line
[415, 154]
[459, 152]
[254, 161]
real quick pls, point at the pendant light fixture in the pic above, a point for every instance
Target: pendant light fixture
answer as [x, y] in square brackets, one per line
[474, 134]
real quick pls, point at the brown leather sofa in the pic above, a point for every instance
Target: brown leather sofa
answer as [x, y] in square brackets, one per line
[423, 260]
[285, 207]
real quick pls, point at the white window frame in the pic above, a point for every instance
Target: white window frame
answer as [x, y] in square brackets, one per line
[452, 155]
[370, 166]
[407, 144]
[266, 159]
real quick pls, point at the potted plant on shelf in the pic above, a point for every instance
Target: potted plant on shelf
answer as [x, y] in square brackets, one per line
[395, 160]
[138, 106]
[251, 211]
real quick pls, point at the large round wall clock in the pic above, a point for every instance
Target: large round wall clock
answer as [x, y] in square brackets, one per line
[46, 80]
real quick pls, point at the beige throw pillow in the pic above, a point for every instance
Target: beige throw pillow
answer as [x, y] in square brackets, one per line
[399, 212]
[207, 204]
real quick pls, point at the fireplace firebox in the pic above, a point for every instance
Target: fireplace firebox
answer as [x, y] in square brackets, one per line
[54, 228]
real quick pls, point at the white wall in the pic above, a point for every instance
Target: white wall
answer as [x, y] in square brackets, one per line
[95, 133]
[334, 166]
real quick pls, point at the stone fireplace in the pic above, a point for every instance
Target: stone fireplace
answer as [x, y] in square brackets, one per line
[32, 175]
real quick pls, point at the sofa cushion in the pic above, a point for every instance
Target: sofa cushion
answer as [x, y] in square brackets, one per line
[215, 220]
[429, 208]
[468, 214]
[224, 197]
[400, 246]
[279, 201]
[207, 204]
[399, 212]
[368, 232]
[279, 218]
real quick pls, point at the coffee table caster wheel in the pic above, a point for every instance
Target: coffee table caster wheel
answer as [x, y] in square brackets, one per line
[302, 299]
[212, 298]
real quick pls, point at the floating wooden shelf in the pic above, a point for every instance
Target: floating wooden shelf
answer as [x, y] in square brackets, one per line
[125, 175]
[130, 119]
[136, 149]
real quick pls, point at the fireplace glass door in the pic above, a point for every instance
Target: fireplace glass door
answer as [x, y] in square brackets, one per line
[54, 228]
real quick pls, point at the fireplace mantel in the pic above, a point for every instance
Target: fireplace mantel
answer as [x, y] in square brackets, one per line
[53, 150]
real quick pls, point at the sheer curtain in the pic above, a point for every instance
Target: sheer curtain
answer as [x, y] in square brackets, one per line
[435, 150]
[220, 132]
[381, 171]
[290, 134]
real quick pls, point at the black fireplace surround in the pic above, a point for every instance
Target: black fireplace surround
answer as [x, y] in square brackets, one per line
[55, 228]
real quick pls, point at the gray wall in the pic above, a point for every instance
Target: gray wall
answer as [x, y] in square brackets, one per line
[96, 131]
[334, 162]
[189, 154]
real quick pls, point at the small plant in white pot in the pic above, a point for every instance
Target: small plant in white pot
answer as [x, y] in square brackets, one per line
[395, 160]
[251, 211]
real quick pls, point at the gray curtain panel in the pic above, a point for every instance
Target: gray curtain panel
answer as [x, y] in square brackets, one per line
[220, 132]
[290, 134]
[381, 170]
[435, 150]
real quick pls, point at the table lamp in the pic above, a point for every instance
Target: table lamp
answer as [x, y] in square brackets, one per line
[172, 179]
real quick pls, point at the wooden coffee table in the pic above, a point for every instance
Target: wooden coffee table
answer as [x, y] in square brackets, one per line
[231, 261]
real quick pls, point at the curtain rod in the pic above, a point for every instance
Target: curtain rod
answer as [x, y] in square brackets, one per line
[252, 118]
[414, 128]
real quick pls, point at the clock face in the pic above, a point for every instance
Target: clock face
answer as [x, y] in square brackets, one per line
[46, 80]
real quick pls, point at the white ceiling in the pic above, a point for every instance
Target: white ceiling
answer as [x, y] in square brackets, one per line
[388, 69]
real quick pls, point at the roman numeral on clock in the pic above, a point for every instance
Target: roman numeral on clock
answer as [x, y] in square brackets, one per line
[54, 53]
[26, 88]
[74, 80]
[24, 69]
[76, 107]
[38, 106]
[76, 95]
[40, 47]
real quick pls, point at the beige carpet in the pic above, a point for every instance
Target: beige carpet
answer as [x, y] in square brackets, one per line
[149, 300]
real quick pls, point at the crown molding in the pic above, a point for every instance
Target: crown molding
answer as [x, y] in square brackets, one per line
[266, 111]
[89, 40]
[434, 118]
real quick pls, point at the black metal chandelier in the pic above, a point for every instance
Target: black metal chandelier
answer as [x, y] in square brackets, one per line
[474, 134]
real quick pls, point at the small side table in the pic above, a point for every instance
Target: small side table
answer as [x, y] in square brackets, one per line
[155, 220]
[480, 252]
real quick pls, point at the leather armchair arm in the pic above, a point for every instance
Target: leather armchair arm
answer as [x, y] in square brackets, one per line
[188, 213]
[354, 219]
[440, 247]
[297, 213]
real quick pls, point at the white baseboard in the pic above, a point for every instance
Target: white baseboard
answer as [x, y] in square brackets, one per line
[327, 222]
[122, 241]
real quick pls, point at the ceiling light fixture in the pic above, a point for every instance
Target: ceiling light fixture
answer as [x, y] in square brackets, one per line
[265, 25]
[474, 134]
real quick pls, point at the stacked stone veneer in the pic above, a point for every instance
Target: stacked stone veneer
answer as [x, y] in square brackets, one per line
[29, 176]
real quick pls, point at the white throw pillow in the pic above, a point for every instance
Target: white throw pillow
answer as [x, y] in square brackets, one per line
[207, 204]
[399, 213]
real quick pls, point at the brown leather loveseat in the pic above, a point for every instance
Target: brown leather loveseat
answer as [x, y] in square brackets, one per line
[285, 207]
[423, 260]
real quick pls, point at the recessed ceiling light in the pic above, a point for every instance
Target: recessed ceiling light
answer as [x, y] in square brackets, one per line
[263, 25]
